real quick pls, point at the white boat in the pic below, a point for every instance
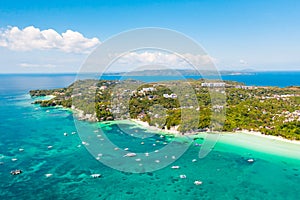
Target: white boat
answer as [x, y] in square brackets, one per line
[175, 167]
[65, 134]
[16, 172]
[95, 175]
[194, 160]
[198, 182]
[130, 155]
[50, 147]
[250, 160]
[182, 176]
[14, 159]
[48, 175]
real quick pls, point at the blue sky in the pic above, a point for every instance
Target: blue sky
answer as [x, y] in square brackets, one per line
[238, 34]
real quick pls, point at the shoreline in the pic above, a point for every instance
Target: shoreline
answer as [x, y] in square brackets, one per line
[270, 137]
[87, 117]
[244, 132]
[172, 131]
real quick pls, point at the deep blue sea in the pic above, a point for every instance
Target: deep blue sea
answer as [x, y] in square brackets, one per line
[32, 139]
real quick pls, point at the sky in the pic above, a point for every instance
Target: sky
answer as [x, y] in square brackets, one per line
[57, 36]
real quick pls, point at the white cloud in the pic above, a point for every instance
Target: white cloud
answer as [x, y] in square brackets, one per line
[30, 65]
[31, 38]
[162, 58]
[243, 62]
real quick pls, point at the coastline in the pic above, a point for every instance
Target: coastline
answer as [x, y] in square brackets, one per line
[253, 133]
[91, 118]
[172, 131]
[271, 137]
[247, 143]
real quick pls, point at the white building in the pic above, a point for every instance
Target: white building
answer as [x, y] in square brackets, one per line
[172, 96]
[149, 89]
[218, 84]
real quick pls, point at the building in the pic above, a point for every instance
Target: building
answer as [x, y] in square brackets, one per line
[217, 84]
[172, 96]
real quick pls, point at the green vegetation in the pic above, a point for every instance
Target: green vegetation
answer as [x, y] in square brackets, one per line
[186, 105]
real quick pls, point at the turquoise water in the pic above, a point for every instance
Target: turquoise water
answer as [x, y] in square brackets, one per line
[225, 172]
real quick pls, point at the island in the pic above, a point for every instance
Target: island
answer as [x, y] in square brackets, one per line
[268, 110]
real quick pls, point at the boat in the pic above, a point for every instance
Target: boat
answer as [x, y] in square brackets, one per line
[65, 134]
[175, 167]
[130, 155]
[250, 160]
[182, 176]
[198, 182]
[48, 175]
[95, 175]
[194, 160]
[16, 172]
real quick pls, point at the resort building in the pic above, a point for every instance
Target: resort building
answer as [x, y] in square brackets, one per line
[217, 84]
[172, 96]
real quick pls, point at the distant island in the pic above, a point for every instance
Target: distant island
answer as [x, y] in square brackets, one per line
[178, 72]
[269, 110]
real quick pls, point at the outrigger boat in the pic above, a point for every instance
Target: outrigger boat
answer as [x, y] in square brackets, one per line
[16, 172]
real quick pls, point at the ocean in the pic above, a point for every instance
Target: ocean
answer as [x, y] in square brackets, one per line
[32, 139]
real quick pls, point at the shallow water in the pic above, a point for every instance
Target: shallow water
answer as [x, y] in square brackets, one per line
[225, 172]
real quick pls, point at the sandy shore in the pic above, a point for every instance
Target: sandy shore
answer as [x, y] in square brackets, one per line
[244, 132]
[271, 137]
[258, 142]
[248, 141]
[146, 125]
